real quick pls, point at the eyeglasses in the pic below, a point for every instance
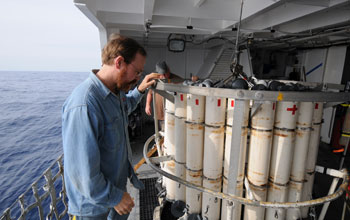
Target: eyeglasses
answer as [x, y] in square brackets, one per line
[138, 72]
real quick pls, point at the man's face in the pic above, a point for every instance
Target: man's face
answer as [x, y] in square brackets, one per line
[130, 74]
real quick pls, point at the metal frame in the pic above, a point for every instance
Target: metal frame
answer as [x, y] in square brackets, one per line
[318, 201]
[256, 95]
[240, 96]
[238, 118]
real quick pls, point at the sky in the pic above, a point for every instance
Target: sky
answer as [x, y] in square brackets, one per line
[47, 35]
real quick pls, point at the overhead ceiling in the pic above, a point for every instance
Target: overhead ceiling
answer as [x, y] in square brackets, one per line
[267, 22]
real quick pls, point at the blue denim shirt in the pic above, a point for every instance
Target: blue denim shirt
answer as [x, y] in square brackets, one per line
[95, 145]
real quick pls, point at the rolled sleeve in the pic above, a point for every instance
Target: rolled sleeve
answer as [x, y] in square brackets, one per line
[132, 99]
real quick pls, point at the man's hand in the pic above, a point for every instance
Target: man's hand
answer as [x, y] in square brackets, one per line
[148, 81]
[148, 110]
[194, 78]
[125, 205]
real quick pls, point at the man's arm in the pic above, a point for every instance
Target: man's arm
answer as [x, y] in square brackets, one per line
[148, 108]
[134, 97]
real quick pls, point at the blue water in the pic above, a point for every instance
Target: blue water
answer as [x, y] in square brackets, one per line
[30, 126]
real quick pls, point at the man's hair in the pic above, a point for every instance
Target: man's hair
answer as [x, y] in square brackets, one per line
[162, 67]
[121, 46]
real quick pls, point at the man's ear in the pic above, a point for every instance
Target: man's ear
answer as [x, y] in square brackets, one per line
[118, 62]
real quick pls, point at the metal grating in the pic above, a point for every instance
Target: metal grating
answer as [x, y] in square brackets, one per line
[222, 67]
[148, 199]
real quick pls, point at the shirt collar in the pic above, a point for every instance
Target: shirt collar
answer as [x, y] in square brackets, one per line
[101, 88]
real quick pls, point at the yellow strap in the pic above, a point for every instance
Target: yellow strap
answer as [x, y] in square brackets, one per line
[142, 161]
[280, 96]
[345, 105]
[345, 135]
[74, 218]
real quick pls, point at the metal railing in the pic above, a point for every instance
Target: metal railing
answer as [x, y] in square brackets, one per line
[342, 174]
[42, 195]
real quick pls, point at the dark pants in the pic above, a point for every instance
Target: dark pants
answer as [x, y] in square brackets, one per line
[112, 215]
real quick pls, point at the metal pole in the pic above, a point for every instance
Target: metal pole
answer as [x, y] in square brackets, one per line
[326, 205]
[229, 208]
[236, 51]
[160, 152]
[344, 208]
[235, 151]
[238, 32]
[344, 153]
[238, 118]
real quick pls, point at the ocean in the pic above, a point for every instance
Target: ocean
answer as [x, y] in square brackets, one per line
[30, 127]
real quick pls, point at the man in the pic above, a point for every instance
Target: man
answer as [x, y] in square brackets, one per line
[163, 69]
[97, 154]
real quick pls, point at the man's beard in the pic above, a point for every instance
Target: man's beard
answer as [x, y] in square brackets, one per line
[127, 86]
